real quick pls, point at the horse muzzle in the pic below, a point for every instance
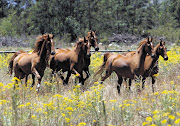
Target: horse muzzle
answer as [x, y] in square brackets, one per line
[97, 49]
[165, 58]
[53, 52]
[88, 55]
[153, 56]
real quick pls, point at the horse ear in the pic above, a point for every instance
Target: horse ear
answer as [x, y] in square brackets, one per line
[148, 40]
[91, 33]
[161, 44]
[85, 40]
[151, 39]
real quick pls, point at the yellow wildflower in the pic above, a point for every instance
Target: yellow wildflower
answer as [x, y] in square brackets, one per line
[166, 114]
[148, 119]
[164, 121]
[82, 124]
[177, 121]
[145, 123]
[178, 113]
[171, 117]
[156, 111]
[69, 108]
[63, 114]
[67, 119]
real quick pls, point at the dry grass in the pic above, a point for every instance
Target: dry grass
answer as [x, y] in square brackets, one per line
[92, 104]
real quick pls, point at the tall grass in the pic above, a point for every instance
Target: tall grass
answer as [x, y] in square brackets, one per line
[93, 104]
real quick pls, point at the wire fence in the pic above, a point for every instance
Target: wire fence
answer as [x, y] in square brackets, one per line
[103, 51]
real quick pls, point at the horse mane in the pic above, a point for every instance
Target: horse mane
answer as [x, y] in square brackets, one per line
[143, 42]
[39, 42]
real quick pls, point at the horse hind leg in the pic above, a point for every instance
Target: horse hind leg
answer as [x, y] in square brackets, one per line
[120, 79]
[108, 73]
[153, 81]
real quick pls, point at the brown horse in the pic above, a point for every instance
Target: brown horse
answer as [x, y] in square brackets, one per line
[71, 60]
[35, 63]
[91, 36]
[151, 64]
[128, 67]
[10, 65]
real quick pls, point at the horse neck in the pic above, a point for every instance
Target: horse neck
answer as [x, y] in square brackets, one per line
[154, 60]
[43, 53]
[79, 52]
[141, 55]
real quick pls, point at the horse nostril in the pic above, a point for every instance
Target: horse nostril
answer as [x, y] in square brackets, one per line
[165, 58]
[96, 49]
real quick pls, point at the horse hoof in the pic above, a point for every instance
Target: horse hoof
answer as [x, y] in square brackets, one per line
[64, 83]
[79, 84]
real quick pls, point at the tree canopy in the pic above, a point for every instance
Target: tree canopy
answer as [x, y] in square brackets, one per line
[76, 17]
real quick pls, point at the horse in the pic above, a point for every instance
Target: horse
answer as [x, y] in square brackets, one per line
[71, 60]
[10, 65]
[91, 36]
[35, 63]
[151, 64]
[128, 67]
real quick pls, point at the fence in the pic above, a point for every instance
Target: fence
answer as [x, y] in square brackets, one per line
[103, 51]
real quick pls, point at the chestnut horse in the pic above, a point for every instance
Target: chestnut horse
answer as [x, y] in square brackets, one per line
[91, 36]
[35, 63]
[128, 67]
[10, 65]
[151, 64]
[71, 60]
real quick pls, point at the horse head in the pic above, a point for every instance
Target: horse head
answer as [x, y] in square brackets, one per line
[93, 40]
[162, 50]
[87, 47]
[48, 38]
[83, 46]
[149, 48]
[51, 36]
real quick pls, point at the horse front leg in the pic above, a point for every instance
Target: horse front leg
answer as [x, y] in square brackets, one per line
[26, 78]
[81, 79]
[86, 70]
[65, 82]
[33, 78]
[38, 85]
[143, 82]
[35, 72]
[153, 81]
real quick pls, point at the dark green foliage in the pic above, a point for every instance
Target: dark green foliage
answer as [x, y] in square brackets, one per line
[76, 17]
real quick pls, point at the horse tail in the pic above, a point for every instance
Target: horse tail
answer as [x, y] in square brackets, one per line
[101, 68]
[10, 65]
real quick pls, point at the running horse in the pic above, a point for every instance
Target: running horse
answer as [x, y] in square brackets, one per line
[71, 60]
[35, 63]
[91, 36]
[127, 67]
[151, 64]
[10, 65]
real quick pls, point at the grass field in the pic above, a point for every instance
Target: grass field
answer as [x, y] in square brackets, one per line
[93, 104]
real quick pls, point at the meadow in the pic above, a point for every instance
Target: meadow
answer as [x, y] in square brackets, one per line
[92, 104]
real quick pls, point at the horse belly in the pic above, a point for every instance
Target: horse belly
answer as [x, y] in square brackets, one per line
[65, 66]
[124, 72]
[26, 68]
